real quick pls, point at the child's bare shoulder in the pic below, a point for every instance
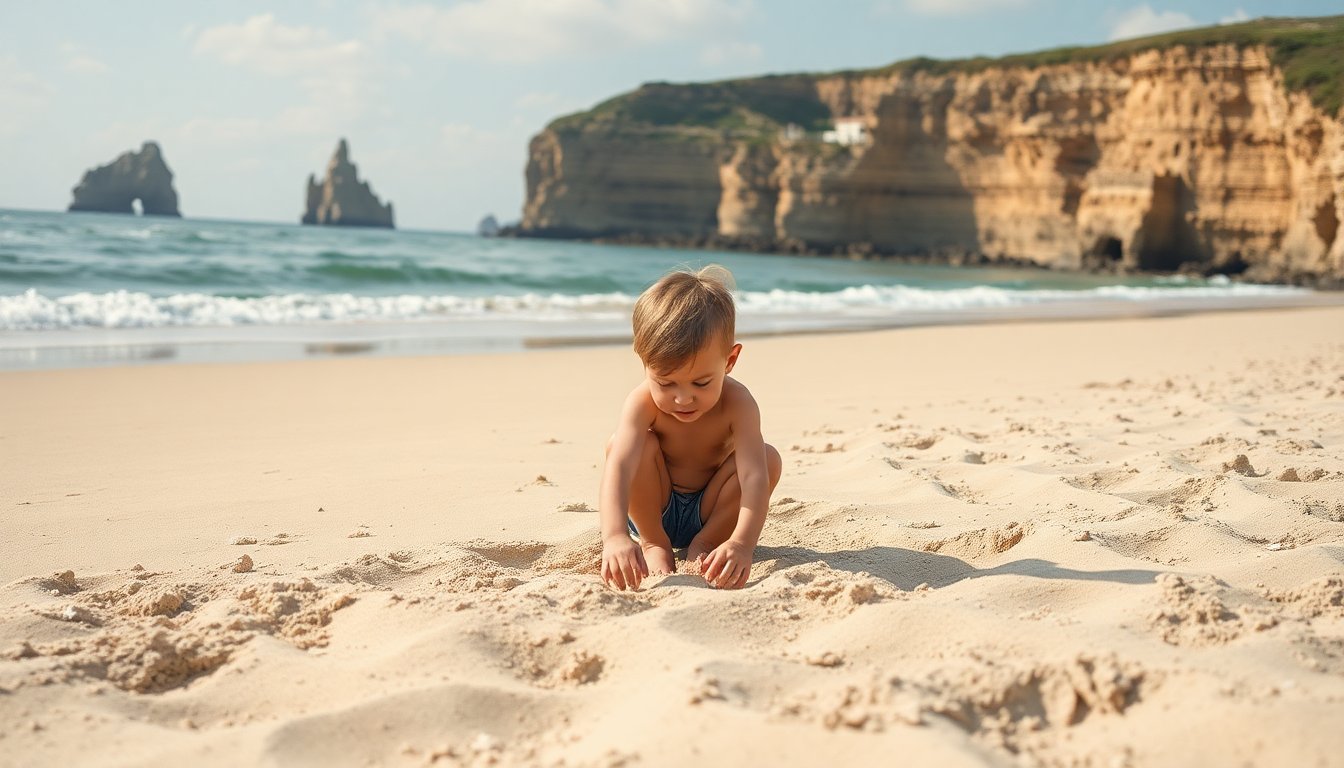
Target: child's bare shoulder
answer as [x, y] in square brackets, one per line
[639, 403]
[737, 398]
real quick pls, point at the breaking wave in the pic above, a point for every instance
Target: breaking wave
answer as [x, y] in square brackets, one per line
[33, 311]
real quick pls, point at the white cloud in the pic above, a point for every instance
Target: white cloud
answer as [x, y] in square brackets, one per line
[1237, 17]
[464, 136]
[264, 45]
[117, 136]
[321, 116]
[336, 78]
[78, 60]
[734, 52]
[533, 30]
[223, 130]
[542, 102]
[1143, 20]
[953, 7]
[25, 96]
[86, 65]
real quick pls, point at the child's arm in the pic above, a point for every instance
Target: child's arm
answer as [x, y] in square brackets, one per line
[623, 561]
[729, 565]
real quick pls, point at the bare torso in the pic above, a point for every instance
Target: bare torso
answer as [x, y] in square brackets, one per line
[693, 452]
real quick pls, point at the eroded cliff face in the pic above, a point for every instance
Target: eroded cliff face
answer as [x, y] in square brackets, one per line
[1154, 161]
[653, 183]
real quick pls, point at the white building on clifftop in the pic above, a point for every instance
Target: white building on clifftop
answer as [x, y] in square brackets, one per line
[848, 131]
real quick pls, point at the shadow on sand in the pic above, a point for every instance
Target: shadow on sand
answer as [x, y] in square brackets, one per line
[906, 569]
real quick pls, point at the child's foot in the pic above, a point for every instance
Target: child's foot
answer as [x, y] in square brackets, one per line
[658, 558]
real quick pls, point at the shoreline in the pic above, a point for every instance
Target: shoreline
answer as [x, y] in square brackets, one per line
[79, 348]
[1092, 264]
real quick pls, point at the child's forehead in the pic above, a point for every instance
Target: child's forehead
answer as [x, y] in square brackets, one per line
[705, 361]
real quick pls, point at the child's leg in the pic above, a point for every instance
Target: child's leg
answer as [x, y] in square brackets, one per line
[722, 502]
[649, 492]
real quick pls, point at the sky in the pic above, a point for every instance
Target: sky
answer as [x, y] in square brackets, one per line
[439, 100]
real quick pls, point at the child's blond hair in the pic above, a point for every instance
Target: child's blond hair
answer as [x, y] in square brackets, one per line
[679, 314]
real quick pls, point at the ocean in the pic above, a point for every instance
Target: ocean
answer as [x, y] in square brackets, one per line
[79, 289]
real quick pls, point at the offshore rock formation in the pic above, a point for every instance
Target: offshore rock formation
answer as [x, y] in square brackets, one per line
[342, 199]
[1189, 157]
[114, 188]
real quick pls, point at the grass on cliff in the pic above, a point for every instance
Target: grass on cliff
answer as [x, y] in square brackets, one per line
[757, 105]
[1309, 52]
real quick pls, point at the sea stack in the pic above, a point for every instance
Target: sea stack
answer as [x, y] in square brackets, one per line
[114, 188]
[342, 199]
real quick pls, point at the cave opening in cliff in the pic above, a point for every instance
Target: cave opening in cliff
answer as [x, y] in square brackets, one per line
[1168, 238]
[1108, 250]
[1327, 223]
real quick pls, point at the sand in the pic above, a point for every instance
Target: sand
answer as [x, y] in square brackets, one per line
[1110, 543]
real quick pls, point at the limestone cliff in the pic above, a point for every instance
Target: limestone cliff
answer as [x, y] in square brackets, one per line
[1158, 155]
[114, 188]
[342, 199]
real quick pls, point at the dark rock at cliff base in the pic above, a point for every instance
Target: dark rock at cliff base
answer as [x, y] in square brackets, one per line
[114, 188]
[342, 199]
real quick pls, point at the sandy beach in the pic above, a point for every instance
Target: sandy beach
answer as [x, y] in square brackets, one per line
[1083, 543]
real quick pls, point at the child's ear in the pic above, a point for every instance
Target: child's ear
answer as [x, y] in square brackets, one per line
[732, 357]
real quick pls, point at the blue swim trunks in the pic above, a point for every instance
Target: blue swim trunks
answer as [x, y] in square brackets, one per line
[681, 518]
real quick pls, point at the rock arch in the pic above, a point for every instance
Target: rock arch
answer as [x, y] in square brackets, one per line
[114, 188]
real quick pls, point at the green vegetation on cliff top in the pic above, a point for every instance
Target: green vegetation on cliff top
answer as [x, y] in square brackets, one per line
[1309, 52]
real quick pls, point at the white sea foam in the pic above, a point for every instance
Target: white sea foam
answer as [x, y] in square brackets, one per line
[32, 311]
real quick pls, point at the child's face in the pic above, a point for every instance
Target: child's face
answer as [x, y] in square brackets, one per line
[690, 391]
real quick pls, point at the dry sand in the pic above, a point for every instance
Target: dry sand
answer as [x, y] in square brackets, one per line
[1102, 543]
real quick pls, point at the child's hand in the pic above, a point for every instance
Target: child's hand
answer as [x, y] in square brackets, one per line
[728, 566]
[623, 562]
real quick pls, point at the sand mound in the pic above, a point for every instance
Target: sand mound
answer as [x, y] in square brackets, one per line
[1322, 597]
[60, 583]
[297, 611]
[981, 542]
[1004, 705]
[145, 636]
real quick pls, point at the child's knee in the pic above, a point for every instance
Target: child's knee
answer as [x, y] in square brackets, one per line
[774, 464]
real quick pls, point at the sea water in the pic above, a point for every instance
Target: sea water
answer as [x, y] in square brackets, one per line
[86, 289]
